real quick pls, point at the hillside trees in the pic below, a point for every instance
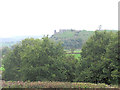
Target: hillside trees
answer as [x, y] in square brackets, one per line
[72, 43]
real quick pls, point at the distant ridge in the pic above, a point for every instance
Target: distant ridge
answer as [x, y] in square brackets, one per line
[73, 38]
[13, 40]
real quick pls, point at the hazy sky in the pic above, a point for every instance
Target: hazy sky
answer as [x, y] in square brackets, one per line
[42, 17]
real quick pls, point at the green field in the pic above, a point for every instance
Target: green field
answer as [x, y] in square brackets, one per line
[75, 55]
[83, 34]
[2, 69]
[68, 52]
[67, 34]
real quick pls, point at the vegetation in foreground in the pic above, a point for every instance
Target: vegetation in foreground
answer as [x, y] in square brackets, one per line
[44, 60]
[39, 84]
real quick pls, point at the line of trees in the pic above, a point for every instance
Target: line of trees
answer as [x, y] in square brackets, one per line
[45, 60]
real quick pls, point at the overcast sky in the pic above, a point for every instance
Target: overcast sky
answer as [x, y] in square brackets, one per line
[42, 17]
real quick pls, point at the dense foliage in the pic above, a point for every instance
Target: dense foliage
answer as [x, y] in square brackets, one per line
[99, 59]
[45, 60]
[35, 59]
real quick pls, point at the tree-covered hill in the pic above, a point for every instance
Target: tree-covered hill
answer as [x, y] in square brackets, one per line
[73, 39]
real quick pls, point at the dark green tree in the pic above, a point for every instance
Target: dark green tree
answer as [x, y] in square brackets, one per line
[11, 62]
[35, 59]
[70, 64]
[111, 61]
[92, 67]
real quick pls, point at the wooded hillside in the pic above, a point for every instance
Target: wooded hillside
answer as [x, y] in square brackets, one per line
[73, 39]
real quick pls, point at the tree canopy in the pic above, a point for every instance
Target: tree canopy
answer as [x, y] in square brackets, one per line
[99, 59]
[35, 59]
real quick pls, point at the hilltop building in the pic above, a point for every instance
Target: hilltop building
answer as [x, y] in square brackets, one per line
[55, 32]
[62, 30]
[66, 30]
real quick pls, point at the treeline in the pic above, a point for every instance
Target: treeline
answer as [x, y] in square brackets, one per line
[72, 43]
[69, 43]
[45, 60]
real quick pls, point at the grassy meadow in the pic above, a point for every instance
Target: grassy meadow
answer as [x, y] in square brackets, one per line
[75, 53]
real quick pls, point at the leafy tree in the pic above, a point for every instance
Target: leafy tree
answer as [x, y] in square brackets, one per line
[4, 50]
[92, 67]
[111, 61]
[35, 59]
[70, 65]
[11, 63]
